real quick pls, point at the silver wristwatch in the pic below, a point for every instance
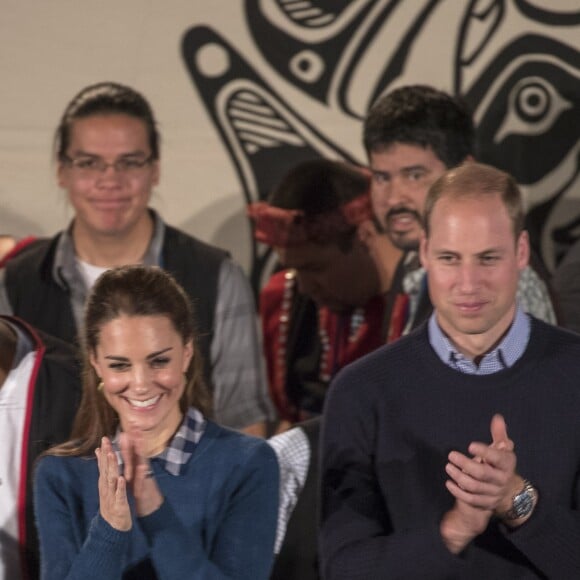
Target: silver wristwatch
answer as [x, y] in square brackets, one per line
[522, 503]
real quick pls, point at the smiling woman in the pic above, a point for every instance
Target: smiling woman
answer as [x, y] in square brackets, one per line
[148, 486]
[142, 363]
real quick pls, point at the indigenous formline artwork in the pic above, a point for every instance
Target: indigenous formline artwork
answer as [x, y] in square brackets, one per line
[515, 62]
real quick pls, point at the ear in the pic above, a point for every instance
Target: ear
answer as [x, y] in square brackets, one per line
[95, 364]
[187, 355]
[61, 175]
[156, 172]
[423, 247]
[523, 250]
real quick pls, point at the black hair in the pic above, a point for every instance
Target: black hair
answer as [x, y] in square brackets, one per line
[424, 116]
[319, 186]
[106, 98]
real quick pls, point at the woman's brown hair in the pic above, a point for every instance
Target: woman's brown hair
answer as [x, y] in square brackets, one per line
[129, 291]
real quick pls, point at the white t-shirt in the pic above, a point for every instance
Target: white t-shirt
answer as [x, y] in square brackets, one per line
[89, 272]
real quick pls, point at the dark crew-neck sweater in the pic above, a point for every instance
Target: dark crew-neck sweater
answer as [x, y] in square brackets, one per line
[390, 421]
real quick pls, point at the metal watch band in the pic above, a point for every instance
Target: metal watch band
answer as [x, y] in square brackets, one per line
[523, 502]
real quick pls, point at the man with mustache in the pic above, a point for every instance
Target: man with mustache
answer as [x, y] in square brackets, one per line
[412, 136]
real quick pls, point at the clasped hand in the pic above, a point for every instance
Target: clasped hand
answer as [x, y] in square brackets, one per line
[114, 487]
[483, 484]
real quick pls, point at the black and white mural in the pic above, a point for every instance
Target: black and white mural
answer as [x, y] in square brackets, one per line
[516, 62]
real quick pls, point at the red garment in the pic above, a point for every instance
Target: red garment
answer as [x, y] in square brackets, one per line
[20, 245]
[275, 312]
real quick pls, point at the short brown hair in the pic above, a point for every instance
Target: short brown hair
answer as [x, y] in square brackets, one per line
[477, 180]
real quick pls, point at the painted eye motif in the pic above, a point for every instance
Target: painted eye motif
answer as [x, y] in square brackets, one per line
[534, 105]
[525, 107]
[307, 66]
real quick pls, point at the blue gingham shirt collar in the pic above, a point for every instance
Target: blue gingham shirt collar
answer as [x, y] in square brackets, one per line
[176, 455]
[504, 355]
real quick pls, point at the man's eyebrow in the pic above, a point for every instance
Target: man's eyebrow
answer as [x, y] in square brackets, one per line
[406, 169]
[135, 153]
[486, 252]
[446, 251]
[491, 251]
[415, 167]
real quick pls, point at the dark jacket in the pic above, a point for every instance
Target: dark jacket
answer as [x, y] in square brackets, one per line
[54, 393]
[44, 302]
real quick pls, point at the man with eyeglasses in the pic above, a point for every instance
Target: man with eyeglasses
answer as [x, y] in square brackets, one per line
[107, 149]
[93, 167]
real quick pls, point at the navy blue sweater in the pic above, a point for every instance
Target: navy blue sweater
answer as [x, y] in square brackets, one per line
[218, 519]
[390, 421]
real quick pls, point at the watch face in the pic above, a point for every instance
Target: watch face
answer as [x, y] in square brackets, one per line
[523, 504]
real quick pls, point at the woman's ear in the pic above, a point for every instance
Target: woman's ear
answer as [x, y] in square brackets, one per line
[95, 364]
[187, 354]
